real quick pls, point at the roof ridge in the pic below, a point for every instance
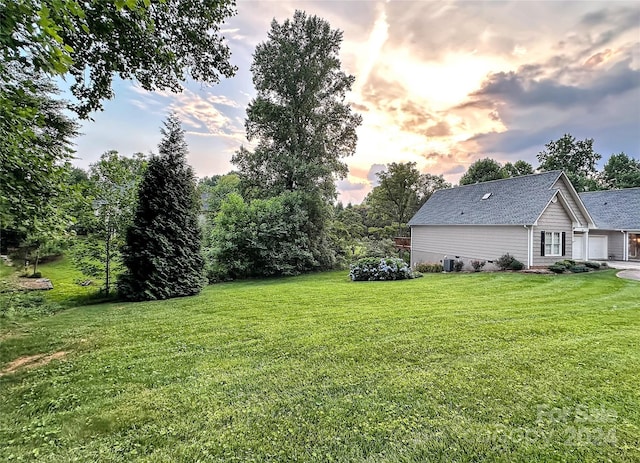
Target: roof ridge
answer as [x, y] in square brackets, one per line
[510, 178]
[607, 191]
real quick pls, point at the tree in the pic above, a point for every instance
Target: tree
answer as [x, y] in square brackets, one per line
[483, 170]
[35, 145]
[156, 42]
[162, 252]
[263, 237]
[396, 197]
[518, 169]
[301, 122]
[299, 116]
[575, 157]
[621, 171]
[428, 185]
[401, 192]
[113, 186]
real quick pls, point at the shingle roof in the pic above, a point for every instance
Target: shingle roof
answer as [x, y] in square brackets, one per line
[614, 209]
[513, 201]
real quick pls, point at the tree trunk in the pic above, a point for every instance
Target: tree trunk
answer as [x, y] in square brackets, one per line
[35, 264]
[107, 262]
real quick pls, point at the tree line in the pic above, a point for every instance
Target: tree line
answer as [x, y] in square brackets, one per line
[577, 158]
[139, 222]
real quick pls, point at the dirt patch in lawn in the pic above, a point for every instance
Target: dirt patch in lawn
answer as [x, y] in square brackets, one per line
[31, 361]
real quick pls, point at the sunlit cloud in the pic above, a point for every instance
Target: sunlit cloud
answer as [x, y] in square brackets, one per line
[441, 84]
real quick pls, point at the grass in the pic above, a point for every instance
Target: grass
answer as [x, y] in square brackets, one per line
[466, 368]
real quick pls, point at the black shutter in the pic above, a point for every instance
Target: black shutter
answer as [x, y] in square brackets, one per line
[564, 246]
[542, 243]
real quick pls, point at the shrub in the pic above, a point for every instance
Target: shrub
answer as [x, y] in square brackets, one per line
[24, 304]
[604, 265]
[516, 265]
[504, 262]
[579, 269]
[380, 269]
[478, 265]
[593, 265]
[567, 263]
[429, 267]
[558, 267]
[457, 265]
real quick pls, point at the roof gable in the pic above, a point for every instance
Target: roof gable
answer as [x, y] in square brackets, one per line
[614, 209]
[513, 201]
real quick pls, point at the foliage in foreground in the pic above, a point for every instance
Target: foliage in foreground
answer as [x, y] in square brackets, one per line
[435, 369]
[380, 269]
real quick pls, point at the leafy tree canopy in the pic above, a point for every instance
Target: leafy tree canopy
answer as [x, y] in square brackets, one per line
[35, 145]
[483, 170]
[156, 42]
[575, 157]
[401, 192]
[517, 169]
[112, 189]
[299, 117]
[621, 171]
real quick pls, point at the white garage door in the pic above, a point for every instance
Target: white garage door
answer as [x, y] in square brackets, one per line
[598, 247]
[578, 247]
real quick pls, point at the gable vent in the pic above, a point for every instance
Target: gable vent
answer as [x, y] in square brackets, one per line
[486, 196]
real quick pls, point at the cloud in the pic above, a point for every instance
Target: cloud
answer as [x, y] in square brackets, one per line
[373, 170]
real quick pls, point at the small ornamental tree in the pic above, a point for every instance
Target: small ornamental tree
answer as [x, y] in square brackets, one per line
[162, 251]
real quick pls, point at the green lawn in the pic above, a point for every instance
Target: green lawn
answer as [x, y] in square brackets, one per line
[463, 367]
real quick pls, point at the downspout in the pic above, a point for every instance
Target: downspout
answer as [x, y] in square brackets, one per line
[585, 245]
[529, 246]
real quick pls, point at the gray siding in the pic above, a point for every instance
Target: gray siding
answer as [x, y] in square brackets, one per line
[431, 243]
[554, 219]
[562, 186]
[615, 242]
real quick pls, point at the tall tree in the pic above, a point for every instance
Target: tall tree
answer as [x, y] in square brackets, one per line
[575, 157]
[621, 171]
[300, 118]
[301, 121]
[113, 186]
[483, 170]
[156, 42]
[162, 252]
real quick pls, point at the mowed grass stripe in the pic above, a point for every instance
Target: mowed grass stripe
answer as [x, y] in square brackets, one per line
[317, 368]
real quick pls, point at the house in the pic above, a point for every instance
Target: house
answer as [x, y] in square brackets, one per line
[617, 219]
[539, 219]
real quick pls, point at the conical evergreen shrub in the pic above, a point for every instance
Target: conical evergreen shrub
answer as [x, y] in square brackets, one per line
[162, 253]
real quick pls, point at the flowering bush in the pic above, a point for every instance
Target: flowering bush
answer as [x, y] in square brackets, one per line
[380, 269]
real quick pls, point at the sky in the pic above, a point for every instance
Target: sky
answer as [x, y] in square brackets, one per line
[438, 83]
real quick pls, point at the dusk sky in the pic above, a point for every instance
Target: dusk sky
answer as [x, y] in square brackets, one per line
[438, 83]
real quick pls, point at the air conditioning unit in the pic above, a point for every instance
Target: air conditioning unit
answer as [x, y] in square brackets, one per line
[448, 265]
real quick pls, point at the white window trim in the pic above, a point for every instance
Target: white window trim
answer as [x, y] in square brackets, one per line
[550, 241]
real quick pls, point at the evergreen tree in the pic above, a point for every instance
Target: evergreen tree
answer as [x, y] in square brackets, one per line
[162, 252]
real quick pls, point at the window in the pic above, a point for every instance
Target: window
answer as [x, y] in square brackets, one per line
[552, 244]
